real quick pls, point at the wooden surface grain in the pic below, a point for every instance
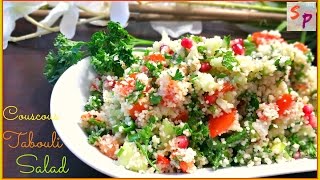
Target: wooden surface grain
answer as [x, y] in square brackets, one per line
[26, 88]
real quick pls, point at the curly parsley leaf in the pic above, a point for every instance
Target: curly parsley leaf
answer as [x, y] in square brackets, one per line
[110, 52]
[177, 76]
[66, 54]
[229, 61]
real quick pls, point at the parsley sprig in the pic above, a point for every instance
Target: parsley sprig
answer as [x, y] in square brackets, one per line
[106, 49]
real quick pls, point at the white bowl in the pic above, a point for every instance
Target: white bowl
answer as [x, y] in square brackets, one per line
[67, 101]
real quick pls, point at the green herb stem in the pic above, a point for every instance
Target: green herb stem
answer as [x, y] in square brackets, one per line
[137, 41]
[143, 151]
[303, 36]
[282, 26]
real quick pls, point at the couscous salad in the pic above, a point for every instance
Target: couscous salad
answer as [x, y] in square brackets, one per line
[200, 102]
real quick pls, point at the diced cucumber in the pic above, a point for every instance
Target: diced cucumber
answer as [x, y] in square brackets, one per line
[278, 148]
[131, 158]
[168, 131]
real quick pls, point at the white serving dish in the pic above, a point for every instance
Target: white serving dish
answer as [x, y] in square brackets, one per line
[67, 100]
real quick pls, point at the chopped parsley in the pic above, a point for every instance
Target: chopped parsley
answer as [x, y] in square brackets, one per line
[226, 40]
[155, 99]
[139, 86]
[282, 67]
[154, 70]
[249, 47]
[229, 61]
[177, 76]
[95, 101]
[197, 39]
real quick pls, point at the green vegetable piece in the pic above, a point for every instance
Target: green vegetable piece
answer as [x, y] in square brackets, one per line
[139, 86]
[197, 39]
[168, 131]
[236, 138]
[131, 154]
[249, 47]
[95, 101]
[96, 134]
[178, 76]
[66, 54]
[155, 99]
[226, 40]
[229, 61]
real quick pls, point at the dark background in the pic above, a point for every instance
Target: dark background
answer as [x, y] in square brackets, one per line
[26, 87]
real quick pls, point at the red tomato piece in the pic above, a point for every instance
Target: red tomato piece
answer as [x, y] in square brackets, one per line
[221, 124]
[138, 107]
[284, 103]
[210, 99]
[301, 47]
[184, 166]
[183, 116]
[260, 38]
[227, 87]
[155, 58]
[163, 160]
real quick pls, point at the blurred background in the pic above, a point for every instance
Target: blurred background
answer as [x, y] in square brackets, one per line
[176, 18]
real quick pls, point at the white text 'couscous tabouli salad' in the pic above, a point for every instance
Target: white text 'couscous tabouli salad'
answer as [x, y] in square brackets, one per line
[203, 102]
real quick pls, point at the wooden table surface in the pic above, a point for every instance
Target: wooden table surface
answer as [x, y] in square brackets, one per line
[26, 88]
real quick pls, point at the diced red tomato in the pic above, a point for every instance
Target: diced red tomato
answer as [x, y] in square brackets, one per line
[227, 87]
[284, 103]
[110, 148]
[221, 124]
[186, 43]
[205, 67]
[184, 166]
[126, 87]
[170, 95]
[301, 47]
[260, 38]
[183, 116]
[163, 160]
[238, 49]
[138, 107]
[182, 141]
[155, 58]
[211, 99]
